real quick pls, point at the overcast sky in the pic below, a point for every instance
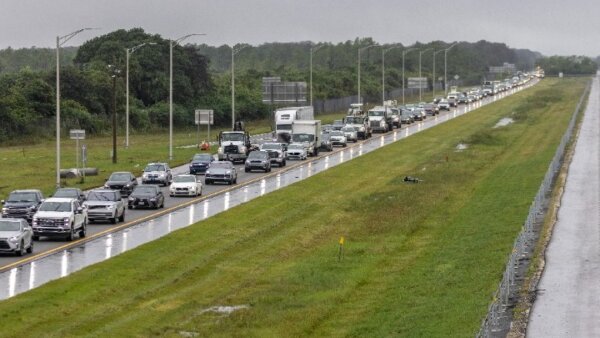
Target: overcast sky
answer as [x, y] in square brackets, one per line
[548, 26]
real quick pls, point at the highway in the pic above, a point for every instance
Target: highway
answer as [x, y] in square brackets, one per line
[54, 259]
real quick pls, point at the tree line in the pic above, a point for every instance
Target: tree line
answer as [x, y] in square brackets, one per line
[202, 78]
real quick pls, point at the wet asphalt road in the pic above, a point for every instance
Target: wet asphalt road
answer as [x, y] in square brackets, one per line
[568, 300]
[54, 259]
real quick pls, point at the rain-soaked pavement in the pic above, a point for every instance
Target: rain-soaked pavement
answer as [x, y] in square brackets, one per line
[568, 300]
[33, 274]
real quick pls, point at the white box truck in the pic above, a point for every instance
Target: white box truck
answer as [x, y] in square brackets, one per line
[307, 132]
[284, 117]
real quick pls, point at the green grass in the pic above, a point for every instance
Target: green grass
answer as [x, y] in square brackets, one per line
[421, 260]
[34, 166]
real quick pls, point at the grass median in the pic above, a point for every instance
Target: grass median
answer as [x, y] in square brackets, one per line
[420, 259]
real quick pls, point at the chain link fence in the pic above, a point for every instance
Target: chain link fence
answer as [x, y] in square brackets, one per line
[499, 316]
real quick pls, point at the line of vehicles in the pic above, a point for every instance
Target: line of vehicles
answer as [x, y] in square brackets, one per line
[28, 216]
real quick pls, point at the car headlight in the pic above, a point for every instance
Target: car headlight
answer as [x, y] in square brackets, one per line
[4, 209]
[220, 150]
[242, 149]
[131, 198]
[14, 239]
[208, 172]
[67, 220]
[362, 128]
[162, 174]
[110, 207]
[153, 199]
[228, 172]
[106, 186]
[32, 207]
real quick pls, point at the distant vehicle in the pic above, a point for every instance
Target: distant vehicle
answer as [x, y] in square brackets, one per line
[157, 173]
[380, 119]
[16, 236]
[185, 185]
[221, 171]
[350, 134]
[361, 124]
[338, 124]
[338, 137]
[298, 151]
[70, 193]
[419, 114]
[200, 163]
[437, 99]
[307, 132]
[462, 99]
[444, 104]
[431, 109]
[356, 109]
[146, 195]
[60, 217]
[22, 204]
[123, 181]
[395, 117]
[326, 142]
[277, 152]
[326, 128]
[105, 205]
[234, 145]
[407, 117]
[284, 117]
[258, 159]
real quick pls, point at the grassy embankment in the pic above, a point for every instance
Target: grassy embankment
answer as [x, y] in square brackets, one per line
[421, 260]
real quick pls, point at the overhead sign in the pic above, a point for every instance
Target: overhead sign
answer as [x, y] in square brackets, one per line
[417, 82]
[204, 117]
[275, 91]
[456, 77]
[77, 134]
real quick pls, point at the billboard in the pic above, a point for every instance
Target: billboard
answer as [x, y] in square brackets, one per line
[275, 91]
[417, 82]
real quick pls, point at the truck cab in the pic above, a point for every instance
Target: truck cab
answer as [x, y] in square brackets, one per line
[361, 124]
[234, 146]
[380, 119]
[307, 132]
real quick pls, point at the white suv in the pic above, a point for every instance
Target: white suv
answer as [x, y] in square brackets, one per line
[60, 217]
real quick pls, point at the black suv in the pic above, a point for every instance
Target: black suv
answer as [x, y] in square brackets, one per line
[123, 181]
[145, 195]
[22, 204]
[258, 160]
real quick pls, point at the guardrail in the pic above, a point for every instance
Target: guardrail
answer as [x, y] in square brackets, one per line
[499, 316]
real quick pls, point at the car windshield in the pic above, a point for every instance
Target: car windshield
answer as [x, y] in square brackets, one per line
[216, 165]
[376, 113]
[258, 154]
[22, 197]
[55, 206]
[236, 137]
[10, 225]
[338, 122]
[184, 178]
[120, 177]
[348, 129]
[202, 157]
[144, 190]
[101, 196]
[337, 133]
[271, 146]
[303, 138]
[70, 193]
[284, 127]
[155, 167]
[354, 120]
[295, 146]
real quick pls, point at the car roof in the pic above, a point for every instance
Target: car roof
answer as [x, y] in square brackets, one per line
[26, 190]
[67, 189]
[121, 172]
[104, 190]
[146, 186]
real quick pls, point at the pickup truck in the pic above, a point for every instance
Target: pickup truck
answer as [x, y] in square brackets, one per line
[60, 217]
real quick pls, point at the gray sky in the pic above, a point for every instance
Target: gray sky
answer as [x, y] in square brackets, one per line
[548, 26]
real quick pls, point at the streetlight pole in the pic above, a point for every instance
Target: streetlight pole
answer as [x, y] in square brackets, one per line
[60, 40]
[404, 52]
[312, 51]
[420, 82]
[433, 77]
[359, 51]
[171, 44]
[383, 52]
[129, 51]
[114, 73]
[446, 68]
[234, 51]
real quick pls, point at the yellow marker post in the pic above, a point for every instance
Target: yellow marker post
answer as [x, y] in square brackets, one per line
[341, 251]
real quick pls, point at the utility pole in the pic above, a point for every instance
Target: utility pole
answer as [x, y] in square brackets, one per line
[114, 72]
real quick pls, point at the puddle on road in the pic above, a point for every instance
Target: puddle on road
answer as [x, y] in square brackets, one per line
[61, 264]
[505, 121]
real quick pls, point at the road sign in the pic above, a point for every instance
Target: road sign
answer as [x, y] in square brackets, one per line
[417, 82]
[77, 134]
[456, 77]
[204, 116]
[275, 91]
[83, 154]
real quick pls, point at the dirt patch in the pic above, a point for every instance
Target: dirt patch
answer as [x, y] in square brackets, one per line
[461, 146]
[505, 121]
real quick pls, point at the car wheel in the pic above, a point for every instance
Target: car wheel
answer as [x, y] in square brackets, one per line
[283, 163]
[35, 238]
[344, 145]
[162, 205]
[122, 217]
[247, 170]
[207, 182]
[83, 231]
[21, 250]
[71, 234]
[129, 207]
[235, 180]
[30, 249]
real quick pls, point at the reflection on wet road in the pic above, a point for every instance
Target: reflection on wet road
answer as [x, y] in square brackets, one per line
[41, 271]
